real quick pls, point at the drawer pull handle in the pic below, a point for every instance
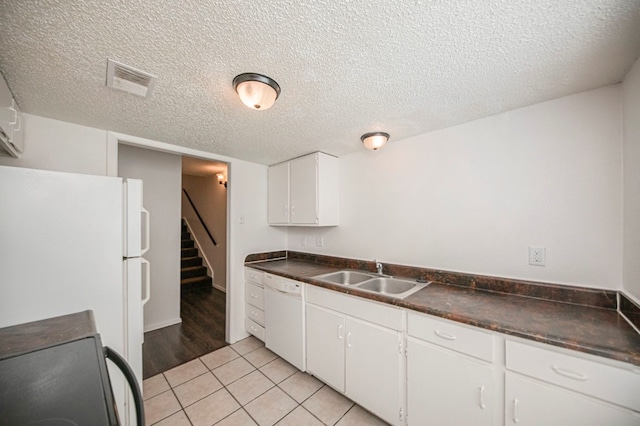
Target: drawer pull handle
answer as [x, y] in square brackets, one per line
[445, 335]
[570, 374]
[340, 332]
[255, 314]
[255, 296]
[482, 404]
[515, 411]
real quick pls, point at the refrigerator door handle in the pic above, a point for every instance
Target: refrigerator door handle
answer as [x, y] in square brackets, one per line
[147, 281]
[147, 226]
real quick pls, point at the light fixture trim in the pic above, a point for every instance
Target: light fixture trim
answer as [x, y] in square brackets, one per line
[262, 102]
[370, 140]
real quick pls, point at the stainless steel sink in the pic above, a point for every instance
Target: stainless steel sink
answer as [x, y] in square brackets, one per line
[387, 286]
[344, 277]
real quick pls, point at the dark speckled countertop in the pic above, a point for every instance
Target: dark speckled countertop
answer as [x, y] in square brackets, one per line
[531, 313]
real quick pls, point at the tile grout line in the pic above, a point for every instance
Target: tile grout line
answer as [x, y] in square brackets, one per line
[242, 406]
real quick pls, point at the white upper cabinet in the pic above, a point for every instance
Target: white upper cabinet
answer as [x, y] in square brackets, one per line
[11, 122]
[304, 191]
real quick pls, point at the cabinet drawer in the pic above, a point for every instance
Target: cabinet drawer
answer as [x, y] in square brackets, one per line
[254, 328]
[466, 340]
[254, 314]
[253, 276]
[589, 377]
[254, 295]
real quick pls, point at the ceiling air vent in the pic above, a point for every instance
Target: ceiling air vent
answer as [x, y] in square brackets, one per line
[128, 79]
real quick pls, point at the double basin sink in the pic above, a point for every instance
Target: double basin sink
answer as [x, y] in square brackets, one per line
[374, 283]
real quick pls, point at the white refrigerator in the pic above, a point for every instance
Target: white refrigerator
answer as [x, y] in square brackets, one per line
[72, 242]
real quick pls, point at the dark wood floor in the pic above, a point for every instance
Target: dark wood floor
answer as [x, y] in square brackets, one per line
[201, 332]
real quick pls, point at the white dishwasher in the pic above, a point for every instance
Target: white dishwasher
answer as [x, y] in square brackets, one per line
[284, 319]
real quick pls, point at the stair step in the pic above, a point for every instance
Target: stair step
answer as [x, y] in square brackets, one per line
[188, 252]
[187, 244]
[186, 235]
[190, 261]
[193, 271]
[195, 283]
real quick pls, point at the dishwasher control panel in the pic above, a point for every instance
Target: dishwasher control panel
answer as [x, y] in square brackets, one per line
[282, 284]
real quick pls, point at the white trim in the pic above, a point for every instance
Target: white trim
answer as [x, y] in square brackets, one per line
[162, 324]
[234, 330]
[114, 137]
[202, 254]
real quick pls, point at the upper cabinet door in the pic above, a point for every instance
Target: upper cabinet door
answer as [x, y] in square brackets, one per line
[279, 194]
[304, 190]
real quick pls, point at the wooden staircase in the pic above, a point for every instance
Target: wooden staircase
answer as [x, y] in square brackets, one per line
[193, 274]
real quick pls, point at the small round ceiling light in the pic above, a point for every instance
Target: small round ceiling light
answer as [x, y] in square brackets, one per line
[374, 140]
[256, 91]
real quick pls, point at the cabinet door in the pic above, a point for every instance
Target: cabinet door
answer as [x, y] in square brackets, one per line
[17, 136]
[529, 402]
[7, 114]
[304, 190]
[373, 368]
[325, 346]
[278, 194]
[446, 388]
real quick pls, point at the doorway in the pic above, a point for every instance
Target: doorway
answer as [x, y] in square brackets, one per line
[179, 327]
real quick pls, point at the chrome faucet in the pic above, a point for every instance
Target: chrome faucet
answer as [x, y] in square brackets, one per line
[378, 267]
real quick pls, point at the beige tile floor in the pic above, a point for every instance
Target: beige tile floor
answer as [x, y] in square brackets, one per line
[246, 384]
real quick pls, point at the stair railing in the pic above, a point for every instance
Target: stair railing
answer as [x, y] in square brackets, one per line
[213, 240]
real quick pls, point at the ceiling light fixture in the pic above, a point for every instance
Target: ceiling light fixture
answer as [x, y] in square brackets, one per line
[256, 91]
[374, 140]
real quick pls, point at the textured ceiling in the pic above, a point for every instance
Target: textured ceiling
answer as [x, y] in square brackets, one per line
[345, 67]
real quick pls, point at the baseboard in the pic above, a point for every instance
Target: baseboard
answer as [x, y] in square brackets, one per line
[219, 287]
[162, 324]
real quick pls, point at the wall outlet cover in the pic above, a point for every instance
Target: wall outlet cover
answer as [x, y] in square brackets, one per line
[537, 255]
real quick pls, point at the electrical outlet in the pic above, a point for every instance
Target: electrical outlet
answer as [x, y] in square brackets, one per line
[537, 256]
[241, 219]
[319, 241]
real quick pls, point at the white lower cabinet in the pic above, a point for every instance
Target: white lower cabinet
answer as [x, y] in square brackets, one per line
[530, 402]
[325, 346]
[373, 368]
[358, 357]
[450, 374]
[254, 303]
[445, 388]
[553, 386]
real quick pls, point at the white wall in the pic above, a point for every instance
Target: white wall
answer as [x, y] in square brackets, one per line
[473, 197]
[210, 198]
[57, 145]
[161, 176]
[631, 131]
[248, 200]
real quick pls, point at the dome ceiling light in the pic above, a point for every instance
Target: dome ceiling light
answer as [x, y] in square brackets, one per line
[256, 91]
[374, 140]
